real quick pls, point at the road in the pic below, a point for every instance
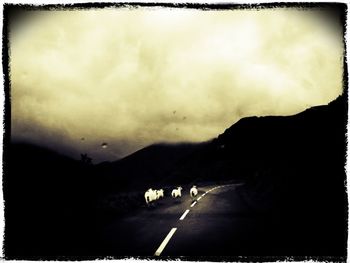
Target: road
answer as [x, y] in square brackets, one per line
[219, 223]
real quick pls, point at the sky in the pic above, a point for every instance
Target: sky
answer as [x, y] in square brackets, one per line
[129, 78]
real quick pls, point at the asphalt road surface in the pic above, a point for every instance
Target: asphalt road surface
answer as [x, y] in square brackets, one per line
[216, 223]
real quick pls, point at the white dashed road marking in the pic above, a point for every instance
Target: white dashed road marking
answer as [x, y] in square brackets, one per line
[172, 231]
[165, 242]
[184, 214]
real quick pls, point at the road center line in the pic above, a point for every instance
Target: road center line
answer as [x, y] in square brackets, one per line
[195, 202]
[199, 198]
[184, 214]
[165, 242]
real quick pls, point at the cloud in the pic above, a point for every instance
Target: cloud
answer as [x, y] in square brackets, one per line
[118, 75]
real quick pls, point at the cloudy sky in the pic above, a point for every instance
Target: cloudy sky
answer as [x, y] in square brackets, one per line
[133, 77]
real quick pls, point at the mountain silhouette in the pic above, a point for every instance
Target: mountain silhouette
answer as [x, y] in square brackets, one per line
[250, 145]
[147, 167]
[294, 168]
[291, 167]
[47, 198]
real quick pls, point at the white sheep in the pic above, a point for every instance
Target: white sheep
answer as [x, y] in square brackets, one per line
[150, 195]
[160, 193]
[176, 192]
[193, 191]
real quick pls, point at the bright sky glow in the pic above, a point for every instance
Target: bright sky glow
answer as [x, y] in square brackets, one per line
[133, 77]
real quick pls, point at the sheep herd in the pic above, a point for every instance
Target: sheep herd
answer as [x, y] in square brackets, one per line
[154, 195]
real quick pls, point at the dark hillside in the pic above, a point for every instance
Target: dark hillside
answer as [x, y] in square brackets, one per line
[256, 142]
[251, 144]
[48, 198]
[296, 168]
[293, 167]
[147, 167]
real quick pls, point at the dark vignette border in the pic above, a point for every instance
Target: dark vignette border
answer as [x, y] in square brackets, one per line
[9, 8]
[202, 6]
